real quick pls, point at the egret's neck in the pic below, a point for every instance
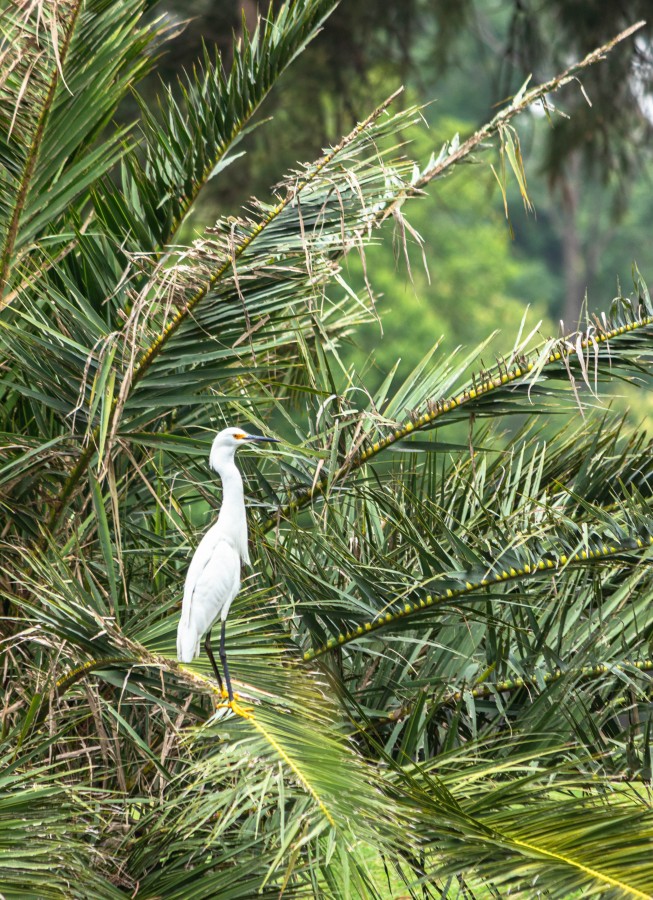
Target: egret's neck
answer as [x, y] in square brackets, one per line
[233, 497]
[232, 516]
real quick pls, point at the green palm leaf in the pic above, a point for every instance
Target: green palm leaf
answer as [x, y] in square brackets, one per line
[189, 143]
[68, 63]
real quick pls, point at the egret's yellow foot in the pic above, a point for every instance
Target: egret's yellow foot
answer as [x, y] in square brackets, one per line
[245, 712]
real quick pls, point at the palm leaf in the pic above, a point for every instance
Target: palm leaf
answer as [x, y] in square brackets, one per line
[67, 63]
[189, 143]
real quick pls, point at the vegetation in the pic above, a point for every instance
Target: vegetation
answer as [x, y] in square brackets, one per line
[442, 651]
[589, 173]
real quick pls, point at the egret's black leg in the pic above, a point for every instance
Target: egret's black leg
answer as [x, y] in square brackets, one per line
[223, 660]
[209, 653]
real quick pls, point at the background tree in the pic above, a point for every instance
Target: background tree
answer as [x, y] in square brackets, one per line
[444, 649]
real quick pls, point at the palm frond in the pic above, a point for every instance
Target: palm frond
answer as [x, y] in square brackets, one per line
[47, 833]
[71, 62]
[557, 833]
[191, 141]
[527, 381]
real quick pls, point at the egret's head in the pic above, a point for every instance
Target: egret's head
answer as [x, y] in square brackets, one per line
[228, 440]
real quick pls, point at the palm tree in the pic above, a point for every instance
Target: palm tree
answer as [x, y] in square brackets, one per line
[442, 654]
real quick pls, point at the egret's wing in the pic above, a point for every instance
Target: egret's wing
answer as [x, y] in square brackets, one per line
[213, 577]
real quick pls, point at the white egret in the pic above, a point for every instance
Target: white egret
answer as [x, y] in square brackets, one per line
[213, 578]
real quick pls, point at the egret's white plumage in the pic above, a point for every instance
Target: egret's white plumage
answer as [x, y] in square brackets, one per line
[212, 582]
[213, 578]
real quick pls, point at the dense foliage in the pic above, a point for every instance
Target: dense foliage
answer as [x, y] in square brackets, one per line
[442, 650]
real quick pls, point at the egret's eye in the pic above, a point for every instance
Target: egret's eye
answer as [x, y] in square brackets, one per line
[240, 437]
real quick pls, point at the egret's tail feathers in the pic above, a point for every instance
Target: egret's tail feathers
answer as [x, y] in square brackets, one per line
[188, 644]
